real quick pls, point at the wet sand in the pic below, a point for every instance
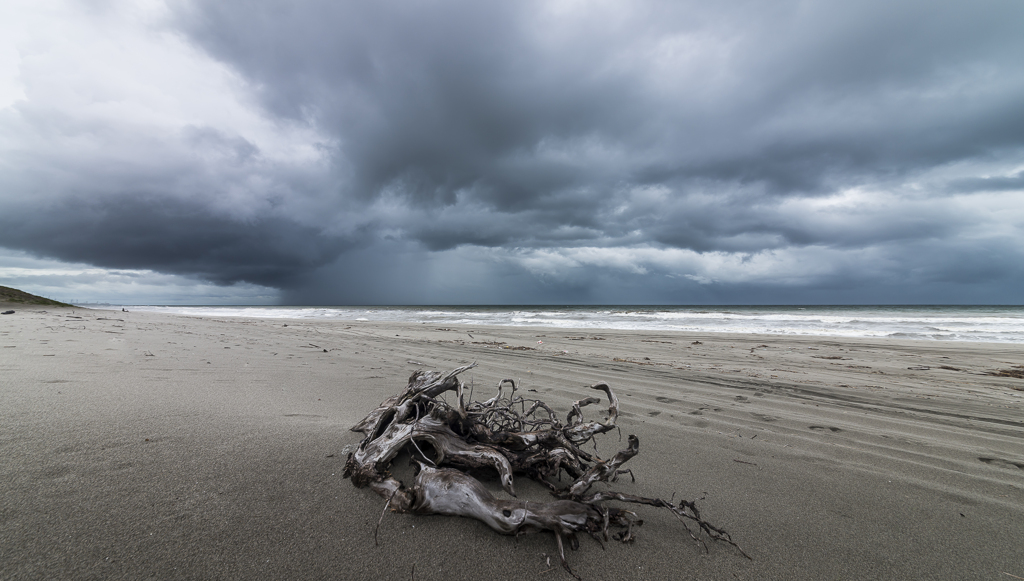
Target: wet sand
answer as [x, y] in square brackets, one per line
[141, 445]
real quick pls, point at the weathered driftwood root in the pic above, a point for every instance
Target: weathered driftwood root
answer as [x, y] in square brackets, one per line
[511, 435]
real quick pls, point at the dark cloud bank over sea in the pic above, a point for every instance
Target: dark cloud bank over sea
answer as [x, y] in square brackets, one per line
[531, 152]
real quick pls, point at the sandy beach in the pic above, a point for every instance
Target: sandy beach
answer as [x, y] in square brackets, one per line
[151, 446]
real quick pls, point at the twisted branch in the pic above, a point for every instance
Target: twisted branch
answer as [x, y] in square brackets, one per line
[511, 435]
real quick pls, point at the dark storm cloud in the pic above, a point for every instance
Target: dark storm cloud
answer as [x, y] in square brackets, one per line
[514, 108]
[429, 100]
[172, 236]
[565, 150]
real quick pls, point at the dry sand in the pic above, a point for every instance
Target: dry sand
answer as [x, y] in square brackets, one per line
[147, 446]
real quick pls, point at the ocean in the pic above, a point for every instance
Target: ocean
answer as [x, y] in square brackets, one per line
[999, 324]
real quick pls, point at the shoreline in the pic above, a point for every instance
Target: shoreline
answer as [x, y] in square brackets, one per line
[967, 323]
[142, 444]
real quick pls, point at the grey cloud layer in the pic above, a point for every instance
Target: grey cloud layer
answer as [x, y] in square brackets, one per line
[174, 237]
[527, 112]
[741, 128]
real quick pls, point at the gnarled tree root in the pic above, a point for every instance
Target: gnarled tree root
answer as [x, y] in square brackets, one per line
[511, 435]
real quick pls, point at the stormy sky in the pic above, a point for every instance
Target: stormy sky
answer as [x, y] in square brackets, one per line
[428, 152]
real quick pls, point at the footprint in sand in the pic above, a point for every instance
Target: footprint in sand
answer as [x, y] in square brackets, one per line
[666, 400]
[652, 414]
[823, 428]
[1001, 463]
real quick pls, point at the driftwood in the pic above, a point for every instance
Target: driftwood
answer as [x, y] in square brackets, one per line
[513, 435]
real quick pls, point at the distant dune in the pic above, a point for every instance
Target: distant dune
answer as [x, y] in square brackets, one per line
[19, 297]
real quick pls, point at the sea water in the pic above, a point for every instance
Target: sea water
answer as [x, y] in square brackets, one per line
[1003, 324]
